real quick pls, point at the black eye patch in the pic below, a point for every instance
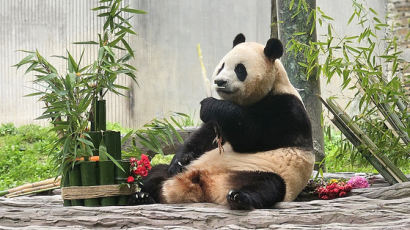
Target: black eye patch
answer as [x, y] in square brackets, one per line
[240, 71]
[222, 67]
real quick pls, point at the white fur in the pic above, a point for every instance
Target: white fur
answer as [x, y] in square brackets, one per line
[264, 75]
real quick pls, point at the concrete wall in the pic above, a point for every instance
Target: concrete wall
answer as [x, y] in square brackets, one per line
[49, 26]
[169, 71]
[167, 59]
[340, 11]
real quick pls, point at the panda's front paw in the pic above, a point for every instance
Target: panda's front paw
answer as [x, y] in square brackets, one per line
[179, 162]
[206, 109]
[140, 198]
[238, 200]
[175, 167]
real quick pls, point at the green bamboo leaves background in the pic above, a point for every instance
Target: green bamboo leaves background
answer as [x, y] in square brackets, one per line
[367, 66]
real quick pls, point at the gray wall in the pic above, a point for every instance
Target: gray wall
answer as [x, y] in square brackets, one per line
[169, 71]
[49, 26]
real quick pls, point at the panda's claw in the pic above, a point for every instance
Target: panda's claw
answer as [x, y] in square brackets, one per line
[140, 198]
[238, 200]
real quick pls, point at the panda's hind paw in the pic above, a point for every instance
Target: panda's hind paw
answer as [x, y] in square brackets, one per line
[238, 200]
[140, 198]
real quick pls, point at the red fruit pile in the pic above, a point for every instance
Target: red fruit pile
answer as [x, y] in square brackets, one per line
[333, 190]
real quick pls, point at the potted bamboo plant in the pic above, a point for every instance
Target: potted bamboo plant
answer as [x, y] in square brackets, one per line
[74, 101]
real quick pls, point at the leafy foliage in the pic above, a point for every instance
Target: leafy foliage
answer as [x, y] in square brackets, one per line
[367, 67]
[7, 129]
[156, 134]
[161, 159]
[341, 156]
[22, 158]
[70, 97]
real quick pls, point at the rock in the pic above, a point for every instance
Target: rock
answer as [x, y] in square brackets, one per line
[372, 208]
[396, 191]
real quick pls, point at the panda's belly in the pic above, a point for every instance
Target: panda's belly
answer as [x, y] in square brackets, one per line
[292, 164]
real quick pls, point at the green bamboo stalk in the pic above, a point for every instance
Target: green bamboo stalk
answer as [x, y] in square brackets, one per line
[89, 177]
[101, 122]
[121, 177]
[394, 120]
[75, 180]
[96, 137]
[112, 140]
[106, 169]
[365, 140]
[93, 115]
[65, 182]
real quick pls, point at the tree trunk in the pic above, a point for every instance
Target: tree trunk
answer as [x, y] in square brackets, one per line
[290, 23]
[274, 21]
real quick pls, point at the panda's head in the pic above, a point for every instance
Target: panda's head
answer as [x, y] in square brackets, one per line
[250, 71]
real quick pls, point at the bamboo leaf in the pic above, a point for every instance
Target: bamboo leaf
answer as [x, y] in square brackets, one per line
[85, 141]
[25, 60]
[115, 161]
[100, 8]
[113, 43]
[86, 43]
[133, 11]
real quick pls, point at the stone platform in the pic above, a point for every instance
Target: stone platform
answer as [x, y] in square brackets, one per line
[371, 208]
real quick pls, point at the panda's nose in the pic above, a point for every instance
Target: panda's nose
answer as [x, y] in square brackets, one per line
[220, 83]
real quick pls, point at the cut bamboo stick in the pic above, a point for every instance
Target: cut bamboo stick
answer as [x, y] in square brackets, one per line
[75, 180]
[89, 177]
[36, 184]
[32, 185]
[33, 190]
[101, 121]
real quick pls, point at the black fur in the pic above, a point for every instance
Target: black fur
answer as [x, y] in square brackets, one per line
[152, 184]
[200, 141]
[273, 49]
[255, 190]
[240, 71]
[220, 69]
[238, 39]
[276, 121]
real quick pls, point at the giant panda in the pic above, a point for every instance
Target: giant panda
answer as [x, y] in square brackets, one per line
[266, 155]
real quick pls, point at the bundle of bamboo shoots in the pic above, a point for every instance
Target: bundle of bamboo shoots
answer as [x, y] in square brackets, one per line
[31, 188]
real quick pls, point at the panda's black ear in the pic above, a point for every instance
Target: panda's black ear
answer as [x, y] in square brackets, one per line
[238, 39]
[273, 49]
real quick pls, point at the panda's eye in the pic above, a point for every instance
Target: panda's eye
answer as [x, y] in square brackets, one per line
[220, 69]
[240, 71]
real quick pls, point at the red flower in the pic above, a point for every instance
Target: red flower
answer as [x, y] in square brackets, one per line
[140, 167]
[130, 179]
